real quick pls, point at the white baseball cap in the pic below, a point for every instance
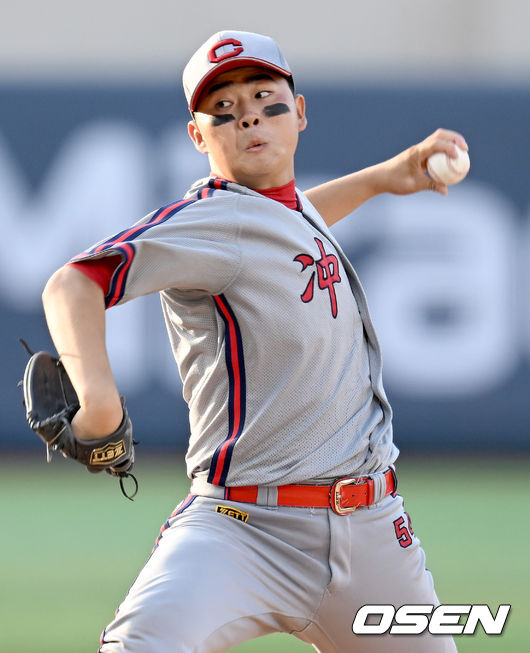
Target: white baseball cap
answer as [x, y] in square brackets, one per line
[226, 50]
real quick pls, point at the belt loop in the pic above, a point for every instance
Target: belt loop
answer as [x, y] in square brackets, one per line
[261, 499]
[394, 476]
[379, 487]
[267, 496]
[272, 497]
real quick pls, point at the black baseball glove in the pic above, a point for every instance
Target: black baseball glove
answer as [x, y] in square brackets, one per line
[51, 402]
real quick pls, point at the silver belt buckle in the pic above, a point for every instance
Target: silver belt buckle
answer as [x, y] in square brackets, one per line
[335, 495]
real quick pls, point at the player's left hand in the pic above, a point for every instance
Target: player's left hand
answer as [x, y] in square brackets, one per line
[407, 172]
[51, 402]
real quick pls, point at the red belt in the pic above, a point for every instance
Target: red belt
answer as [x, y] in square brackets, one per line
[344, 496]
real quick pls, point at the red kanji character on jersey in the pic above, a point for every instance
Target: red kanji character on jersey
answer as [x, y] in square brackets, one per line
[328, 274]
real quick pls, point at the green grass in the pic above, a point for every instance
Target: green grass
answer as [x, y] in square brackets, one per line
[71, 545]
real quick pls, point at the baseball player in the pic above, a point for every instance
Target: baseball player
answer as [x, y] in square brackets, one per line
[293, 521]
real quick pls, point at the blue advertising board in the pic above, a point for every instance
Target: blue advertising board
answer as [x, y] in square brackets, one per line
[447, 278]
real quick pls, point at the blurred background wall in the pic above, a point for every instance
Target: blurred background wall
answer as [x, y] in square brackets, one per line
[376, 41]
[92, 137]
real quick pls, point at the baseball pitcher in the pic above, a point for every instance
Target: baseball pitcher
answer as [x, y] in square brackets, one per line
[293, 520]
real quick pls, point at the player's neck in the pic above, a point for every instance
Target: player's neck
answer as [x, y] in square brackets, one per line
[285, 194]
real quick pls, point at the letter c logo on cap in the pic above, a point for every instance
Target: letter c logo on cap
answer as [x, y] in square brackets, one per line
[212, 54]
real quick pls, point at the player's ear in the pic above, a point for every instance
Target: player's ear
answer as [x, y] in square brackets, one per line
[300, 112]
[196, 137]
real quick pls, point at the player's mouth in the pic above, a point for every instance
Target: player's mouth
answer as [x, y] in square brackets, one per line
[255, 146]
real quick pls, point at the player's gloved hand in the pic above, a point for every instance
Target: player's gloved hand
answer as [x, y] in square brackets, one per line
[51, 402]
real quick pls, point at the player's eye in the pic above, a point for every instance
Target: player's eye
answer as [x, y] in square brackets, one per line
[222, 104]
[262, 94]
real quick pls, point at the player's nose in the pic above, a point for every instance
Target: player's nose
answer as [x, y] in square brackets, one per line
[249, 118]
[250, 122]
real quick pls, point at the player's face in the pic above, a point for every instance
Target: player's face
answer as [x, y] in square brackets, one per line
[247, 121]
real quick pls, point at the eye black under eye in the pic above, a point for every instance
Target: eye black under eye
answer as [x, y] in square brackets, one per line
[276, 109]
[221, 119]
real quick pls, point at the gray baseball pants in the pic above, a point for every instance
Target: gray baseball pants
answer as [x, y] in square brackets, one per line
[214, 580]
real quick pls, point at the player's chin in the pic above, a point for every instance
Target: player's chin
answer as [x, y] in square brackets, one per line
[265, 157]
[257, 163]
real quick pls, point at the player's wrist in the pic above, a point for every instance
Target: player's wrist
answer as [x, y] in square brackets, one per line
[397, 175]
[97, 419]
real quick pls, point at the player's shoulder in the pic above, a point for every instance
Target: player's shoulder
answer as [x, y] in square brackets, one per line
[213, 188]
[307, 207]
[198, 203]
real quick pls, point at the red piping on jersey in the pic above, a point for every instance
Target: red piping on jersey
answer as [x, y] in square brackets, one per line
[180, 508]
[218, 183]
[114, 293]
[118, 284]
[236, 395]
[133, 231]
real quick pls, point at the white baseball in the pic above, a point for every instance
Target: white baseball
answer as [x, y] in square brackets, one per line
[445, 170]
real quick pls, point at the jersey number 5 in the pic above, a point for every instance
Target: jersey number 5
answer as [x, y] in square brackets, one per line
[403, 532]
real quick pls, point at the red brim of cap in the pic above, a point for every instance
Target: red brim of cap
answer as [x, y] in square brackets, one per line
[240, 62]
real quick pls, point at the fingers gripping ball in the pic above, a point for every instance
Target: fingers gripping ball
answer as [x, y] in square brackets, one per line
[443, 169]
[51, 402]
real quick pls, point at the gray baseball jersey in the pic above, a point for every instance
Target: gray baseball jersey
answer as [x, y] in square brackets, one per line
[281, 370]
[270, 329]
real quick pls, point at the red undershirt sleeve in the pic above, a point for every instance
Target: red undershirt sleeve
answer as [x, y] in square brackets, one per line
[99, 270]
